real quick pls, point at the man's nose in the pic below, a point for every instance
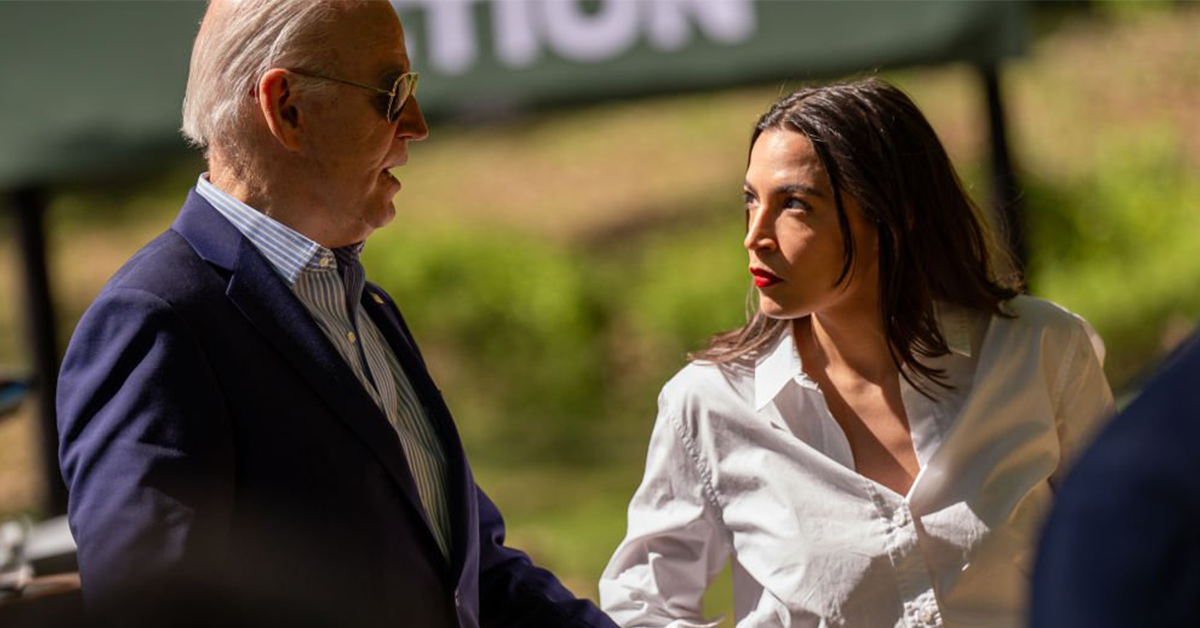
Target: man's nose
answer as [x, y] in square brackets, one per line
[412, 122]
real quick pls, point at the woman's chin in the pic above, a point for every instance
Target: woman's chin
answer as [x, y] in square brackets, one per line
[774, 309]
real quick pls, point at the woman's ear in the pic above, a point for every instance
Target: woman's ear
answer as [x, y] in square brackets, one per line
[279, 109]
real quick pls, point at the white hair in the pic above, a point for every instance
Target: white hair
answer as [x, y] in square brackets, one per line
[237, 43]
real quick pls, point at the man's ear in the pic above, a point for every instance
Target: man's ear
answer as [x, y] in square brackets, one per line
[277, 103]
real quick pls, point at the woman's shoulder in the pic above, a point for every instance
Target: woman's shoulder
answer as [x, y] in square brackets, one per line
[1038, 312]
[701, 385]
[1053, 325]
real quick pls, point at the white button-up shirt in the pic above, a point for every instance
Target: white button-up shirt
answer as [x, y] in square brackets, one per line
[746, 464]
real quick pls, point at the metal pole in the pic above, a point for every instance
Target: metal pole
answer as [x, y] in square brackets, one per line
[1006, 190]
[29, 206]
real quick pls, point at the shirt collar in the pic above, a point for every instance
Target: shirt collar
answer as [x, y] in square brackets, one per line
[289, 252]
[781, 364]
[955, 324]
[776, 367]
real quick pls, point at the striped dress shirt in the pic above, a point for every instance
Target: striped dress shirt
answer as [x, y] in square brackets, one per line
[330, 284]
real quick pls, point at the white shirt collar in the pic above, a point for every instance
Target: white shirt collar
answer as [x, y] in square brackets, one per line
[776, 367]
[955, 324]
[781, 364]
[289, 252]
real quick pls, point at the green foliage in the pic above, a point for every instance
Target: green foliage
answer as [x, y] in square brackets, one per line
[540, 347]
[513, 326]
[555, 356]
[1133, 9]
[690, 285]
[1120, 245]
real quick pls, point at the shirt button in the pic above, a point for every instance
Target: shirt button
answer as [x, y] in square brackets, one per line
[351, 337]
[324, 262]
[926, 615]
[900, 518]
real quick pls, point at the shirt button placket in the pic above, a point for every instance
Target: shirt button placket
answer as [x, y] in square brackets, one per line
[911, 573]
[923, 611]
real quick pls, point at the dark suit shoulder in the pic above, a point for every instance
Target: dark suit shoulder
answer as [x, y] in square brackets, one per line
[1118, 547]
[1155, 435]
[168, 268]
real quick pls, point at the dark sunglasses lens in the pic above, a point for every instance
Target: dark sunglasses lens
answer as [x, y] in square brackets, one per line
[404, 88]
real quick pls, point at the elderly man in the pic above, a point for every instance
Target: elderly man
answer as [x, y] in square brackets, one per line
[239, 405]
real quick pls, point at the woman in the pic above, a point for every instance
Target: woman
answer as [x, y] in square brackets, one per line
[878, 445]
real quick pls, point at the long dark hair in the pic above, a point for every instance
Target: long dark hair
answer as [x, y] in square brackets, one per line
[877, 148]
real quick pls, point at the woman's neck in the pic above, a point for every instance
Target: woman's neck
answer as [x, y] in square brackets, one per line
[846, 343]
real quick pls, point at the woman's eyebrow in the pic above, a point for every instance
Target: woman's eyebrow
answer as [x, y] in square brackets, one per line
[797, 188]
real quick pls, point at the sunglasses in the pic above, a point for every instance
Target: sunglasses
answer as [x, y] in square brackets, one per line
[404, 87]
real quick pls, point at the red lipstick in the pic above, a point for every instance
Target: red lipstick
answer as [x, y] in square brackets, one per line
[764, 278]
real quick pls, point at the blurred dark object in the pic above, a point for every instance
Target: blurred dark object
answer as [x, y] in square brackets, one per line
[1006, 189]
[28, 205]
[46, 602]
[50, 548]
[1120, 547]
[28, 550]
[12, 393]
[39, 585]
[57, 602]
[83, 104]
[15, 570]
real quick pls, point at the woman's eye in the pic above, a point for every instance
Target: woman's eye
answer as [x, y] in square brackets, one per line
[748, 199]
[795, 203]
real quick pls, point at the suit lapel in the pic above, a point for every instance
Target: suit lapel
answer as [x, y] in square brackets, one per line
[458, 484]
[266, 301]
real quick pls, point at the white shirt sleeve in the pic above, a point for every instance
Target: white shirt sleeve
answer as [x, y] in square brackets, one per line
[675, 544]
[1085, 400]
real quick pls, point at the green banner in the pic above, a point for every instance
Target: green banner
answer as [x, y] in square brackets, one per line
[91, 90]
[486, 55]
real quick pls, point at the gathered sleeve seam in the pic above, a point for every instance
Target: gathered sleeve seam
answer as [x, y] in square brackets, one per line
[702, 469]
[1065, 369]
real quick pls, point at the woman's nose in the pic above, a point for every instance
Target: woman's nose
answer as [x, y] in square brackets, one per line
[758, 232]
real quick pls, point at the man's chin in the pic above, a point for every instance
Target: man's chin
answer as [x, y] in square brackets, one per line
[383, 215]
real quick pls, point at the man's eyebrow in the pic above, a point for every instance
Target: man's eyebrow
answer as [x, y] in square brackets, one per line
[394, 72]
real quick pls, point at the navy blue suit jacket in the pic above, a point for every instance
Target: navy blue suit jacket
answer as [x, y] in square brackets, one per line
[209, 429]
[1122, 544]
